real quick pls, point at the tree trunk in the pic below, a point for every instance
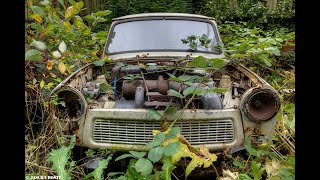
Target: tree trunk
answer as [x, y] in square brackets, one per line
[87, 5]
[233, 4]
[271, 4]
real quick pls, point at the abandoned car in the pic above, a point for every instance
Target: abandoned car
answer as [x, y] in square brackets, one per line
[107, 106]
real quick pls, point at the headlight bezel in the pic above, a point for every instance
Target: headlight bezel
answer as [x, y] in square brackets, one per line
[260, 104]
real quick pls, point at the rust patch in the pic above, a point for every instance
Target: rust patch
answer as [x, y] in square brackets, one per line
[248, 129]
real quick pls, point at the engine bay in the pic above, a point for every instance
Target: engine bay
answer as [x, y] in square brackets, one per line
[135, 85]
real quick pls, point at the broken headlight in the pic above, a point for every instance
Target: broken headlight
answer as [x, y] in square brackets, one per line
[260, 104]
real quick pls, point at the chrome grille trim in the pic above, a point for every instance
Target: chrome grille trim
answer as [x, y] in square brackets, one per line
[137, 132]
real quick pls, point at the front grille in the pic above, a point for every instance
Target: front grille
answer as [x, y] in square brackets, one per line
[139, 133]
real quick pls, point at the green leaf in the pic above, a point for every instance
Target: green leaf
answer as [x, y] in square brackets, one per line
[36, 26]
[72, 142]
[244, 177]
[138, 154]
[250, 149]
[123, 156]
[62, 47]
[264, 58]
[104, 87]
[159, 137]
[44, 2]
[238, 164]
[173, 78]
[102, 33]
[171, 75]
[171, 110]
[50, 30]
[200, 62]
[216, 63]
[153, 144]
[110, 174]
[62, 4]
[189, 83]
[90, 153]
[255, 167]
[155, 114]
[39, 45]
[189, 90]
[98, 171]
[59, 159]
[243, 46]
[106, 60]
[33, 55]
[175, 93]
[155, 154]
[171, 148]
[37, 10]
[103, 13]
[144, 166]
[98, 63]
[131, 172]
[173, 133]
[262, 39]
[217, 90]
[72, 2]
[184, 78]
[273, 51]
[77, 7]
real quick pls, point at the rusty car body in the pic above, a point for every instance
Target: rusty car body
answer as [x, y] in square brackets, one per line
[143, 44]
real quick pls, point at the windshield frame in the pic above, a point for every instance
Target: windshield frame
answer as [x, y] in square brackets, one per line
[163, 50]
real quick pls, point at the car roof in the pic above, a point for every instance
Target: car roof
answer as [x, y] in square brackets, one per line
[162, 14]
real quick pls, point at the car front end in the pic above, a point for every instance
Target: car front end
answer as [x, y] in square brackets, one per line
[146, 57]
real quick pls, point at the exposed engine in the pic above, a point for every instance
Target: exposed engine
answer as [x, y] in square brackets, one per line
[150, 89]
[147, 86]
[150, 85]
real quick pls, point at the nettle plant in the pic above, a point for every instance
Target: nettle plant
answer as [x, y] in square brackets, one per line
[64, 166]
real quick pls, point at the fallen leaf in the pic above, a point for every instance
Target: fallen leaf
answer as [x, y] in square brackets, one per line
[272, 167]
[56, 54]
[62, 67]
[53, 75]
[49, 65]
[34, 81]
[41, 84]
[62, 47]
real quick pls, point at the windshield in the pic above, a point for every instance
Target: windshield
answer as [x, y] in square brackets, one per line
[157, 35]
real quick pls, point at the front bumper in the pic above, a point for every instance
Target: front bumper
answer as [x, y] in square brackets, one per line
[131, 129]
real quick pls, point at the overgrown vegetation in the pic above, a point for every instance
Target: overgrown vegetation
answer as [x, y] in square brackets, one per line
[58, 41]
[267, 13]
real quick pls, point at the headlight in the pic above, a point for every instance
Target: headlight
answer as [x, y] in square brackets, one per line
[71, 103]
[260, 104]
